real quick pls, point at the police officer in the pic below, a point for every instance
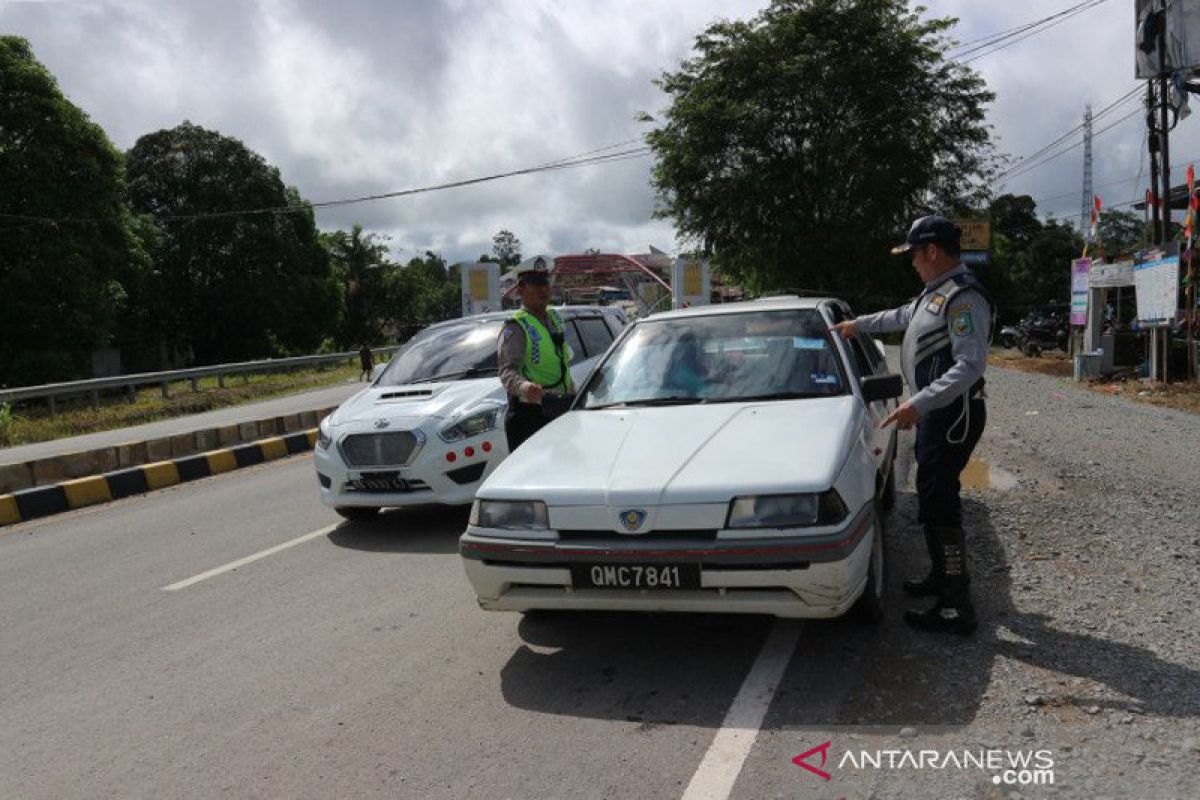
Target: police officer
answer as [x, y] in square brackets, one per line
[534, 357]
[943, 359]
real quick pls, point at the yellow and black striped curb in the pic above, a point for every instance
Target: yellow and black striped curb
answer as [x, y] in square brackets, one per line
[56, 498]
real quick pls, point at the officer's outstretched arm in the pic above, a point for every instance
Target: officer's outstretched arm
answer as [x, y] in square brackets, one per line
[895, 319]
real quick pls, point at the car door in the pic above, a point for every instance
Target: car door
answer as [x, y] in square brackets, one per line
[863, 360]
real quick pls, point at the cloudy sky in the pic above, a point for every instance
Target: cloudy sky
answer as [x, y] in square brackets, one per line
[368, 96]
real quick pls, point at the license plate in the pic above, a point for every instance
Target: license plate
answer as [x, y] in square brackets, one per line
[635, 576]
[380, 482]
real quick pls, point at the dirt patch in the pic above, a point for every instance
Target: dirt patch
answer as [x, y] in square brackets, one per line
[1181, 396]
[1054, 362]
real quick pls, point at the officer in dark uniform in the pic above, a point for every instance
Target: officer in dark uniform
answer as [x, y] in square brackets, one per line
[534, 357]
[943, 360]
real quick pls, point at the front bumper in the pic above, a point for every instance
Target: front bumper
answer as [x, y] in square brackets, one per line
[783, 575]
[430, 474]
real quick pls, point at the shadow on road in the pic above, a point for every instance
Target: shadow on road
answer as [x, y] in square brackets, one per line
[422, 529]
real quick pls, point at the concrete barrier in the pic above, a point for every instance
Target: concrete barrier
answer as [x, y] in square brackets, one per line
[18, 476]
[66, 495]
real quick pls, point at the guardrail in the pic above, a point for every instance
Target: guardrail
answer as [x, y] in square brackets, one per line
[130, 383]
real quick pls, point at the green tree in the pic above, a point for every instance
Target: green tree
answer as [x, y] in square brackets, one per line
[228, 285]
[1015, 216]
[360, 266]
[506, 250]
[62, 283]
[802, 142]
[1120, 232]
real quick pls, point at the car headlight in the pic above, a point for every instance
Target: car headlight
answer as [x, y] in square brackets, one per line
[473, 425]
[510, 514]
[787, 510]
[324, 437]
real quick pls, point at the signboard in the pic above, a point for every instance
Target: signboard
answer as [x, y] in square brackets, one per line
[1080, 269]
[480, 288]
[1111, 276]
[691, 283]
[976, 234]
[1157, 285]
[975, 259]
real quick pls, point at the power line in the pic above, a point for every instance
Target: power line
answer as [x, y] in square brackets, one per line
[1122, 100]
[1022, 33]
[566, 163]
[992, 38]
[1026, 167]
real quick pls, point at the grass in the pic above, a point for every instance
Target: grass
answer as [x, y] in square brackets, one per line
[1180, 396]
[34, 422]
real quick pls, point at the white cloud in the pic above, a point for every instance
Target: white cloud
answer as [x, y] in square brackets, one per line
[362, 97]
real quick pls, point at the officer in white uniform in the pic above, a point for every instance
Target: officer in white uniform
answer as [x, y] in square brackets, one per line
[943, 359]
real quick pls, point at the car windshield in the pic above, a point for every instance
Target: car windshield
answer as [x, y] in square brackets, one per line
[760, 355]
[448, 352]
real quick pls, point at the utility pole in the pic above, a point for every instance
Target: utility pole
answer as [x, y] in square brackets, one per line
[1152, 141]
[1086, 203]
[1164, 132]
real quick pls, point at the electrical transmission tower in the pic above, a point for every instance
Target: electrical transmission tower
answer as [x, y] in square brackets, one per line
[1085, 213]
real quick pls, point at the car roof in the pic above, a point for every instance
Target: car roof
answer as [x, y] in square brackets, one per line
[566, 311]
[786, 302]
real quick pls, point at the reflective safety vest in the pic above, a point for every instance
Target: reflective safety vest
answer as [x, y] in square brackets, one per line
[544, 364]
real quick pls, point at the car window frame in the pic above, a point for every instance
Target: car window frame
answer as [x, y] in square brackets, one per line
[578, 320]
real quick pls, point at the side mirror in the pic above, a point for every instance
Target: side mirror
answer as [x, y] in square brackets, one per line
[882, 387]
[376, 371]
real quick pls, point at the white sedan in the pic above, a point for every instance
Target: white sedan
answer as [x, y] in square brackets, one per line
[723, 459]
[430, 427]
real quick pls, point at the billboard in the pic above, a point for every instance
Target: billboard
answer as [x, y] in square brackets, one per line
[1157, 283]
[1182, 21]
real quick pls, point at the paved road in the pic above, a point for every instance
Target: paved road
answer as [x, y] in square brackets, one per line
[355, 663]
[279, 406]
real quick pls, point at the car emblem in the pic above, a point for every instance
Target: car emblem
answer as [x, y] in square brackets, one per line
[382, 423]
[633, 519]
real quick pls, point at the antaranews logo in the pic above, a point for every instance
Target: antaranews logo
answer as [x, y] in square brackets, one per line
[1009, 767]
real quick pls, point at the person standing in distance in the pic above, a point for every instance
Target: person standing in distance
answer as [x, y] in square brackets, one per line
[943, 359]
[534, 357]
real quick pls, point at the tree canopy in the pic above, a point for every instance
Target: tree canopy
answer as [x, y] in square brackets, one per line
[802, 142]
[61, 282]
[228, 287]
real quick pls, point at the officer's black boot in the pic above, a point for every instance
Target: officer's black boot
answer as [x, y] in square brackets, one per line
[934, 583]
[953, 611]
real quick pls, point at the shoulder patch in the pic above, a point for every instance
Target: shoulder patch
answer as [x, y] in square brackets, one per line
[962, 324]
[934, 306]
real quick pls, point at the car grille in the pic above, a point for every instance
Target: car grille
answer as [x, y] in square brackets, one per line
[411, 487]
[614, 536]
[393, 449]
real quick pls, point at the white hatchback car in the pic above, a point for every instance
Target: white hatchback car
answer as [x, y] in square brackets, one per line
[725, 459]
[430, 427]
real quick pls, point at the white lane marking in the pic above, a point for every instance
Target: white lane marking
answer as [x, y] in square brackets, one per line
[722, 763]
[241, 562]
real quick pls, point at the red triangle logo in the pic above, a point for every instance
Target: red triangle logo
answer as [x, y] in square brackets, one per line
[801, 760]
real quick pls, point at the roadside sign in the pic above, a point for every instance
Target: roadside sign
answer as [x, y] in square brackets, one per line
[975, 259]
[976, 234]
[1081, 268]
[480, 288]
[690, 283]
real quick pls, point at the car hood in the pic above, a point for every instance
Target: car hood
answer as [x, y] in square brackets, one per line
[413, 403]
[681, 454]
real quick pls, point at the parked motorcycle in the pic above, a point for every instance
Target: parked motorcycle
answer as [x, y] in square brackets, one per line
[1036, 333]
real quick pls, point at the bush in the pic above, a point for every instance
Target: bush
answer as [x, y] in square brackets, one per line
[7, 423]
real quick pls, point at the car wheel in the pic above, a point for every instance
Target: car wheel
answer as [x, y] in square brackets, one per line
[357, 513]
[870, 606]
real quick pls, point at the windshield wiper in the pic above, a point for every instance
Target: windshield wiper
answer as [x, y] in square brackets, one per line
[674, 400]
[750, 398]
[473, 372]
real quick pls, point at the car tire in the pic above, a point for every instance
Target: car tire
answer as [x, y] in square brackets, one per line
[870, 606]
[357, 513]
